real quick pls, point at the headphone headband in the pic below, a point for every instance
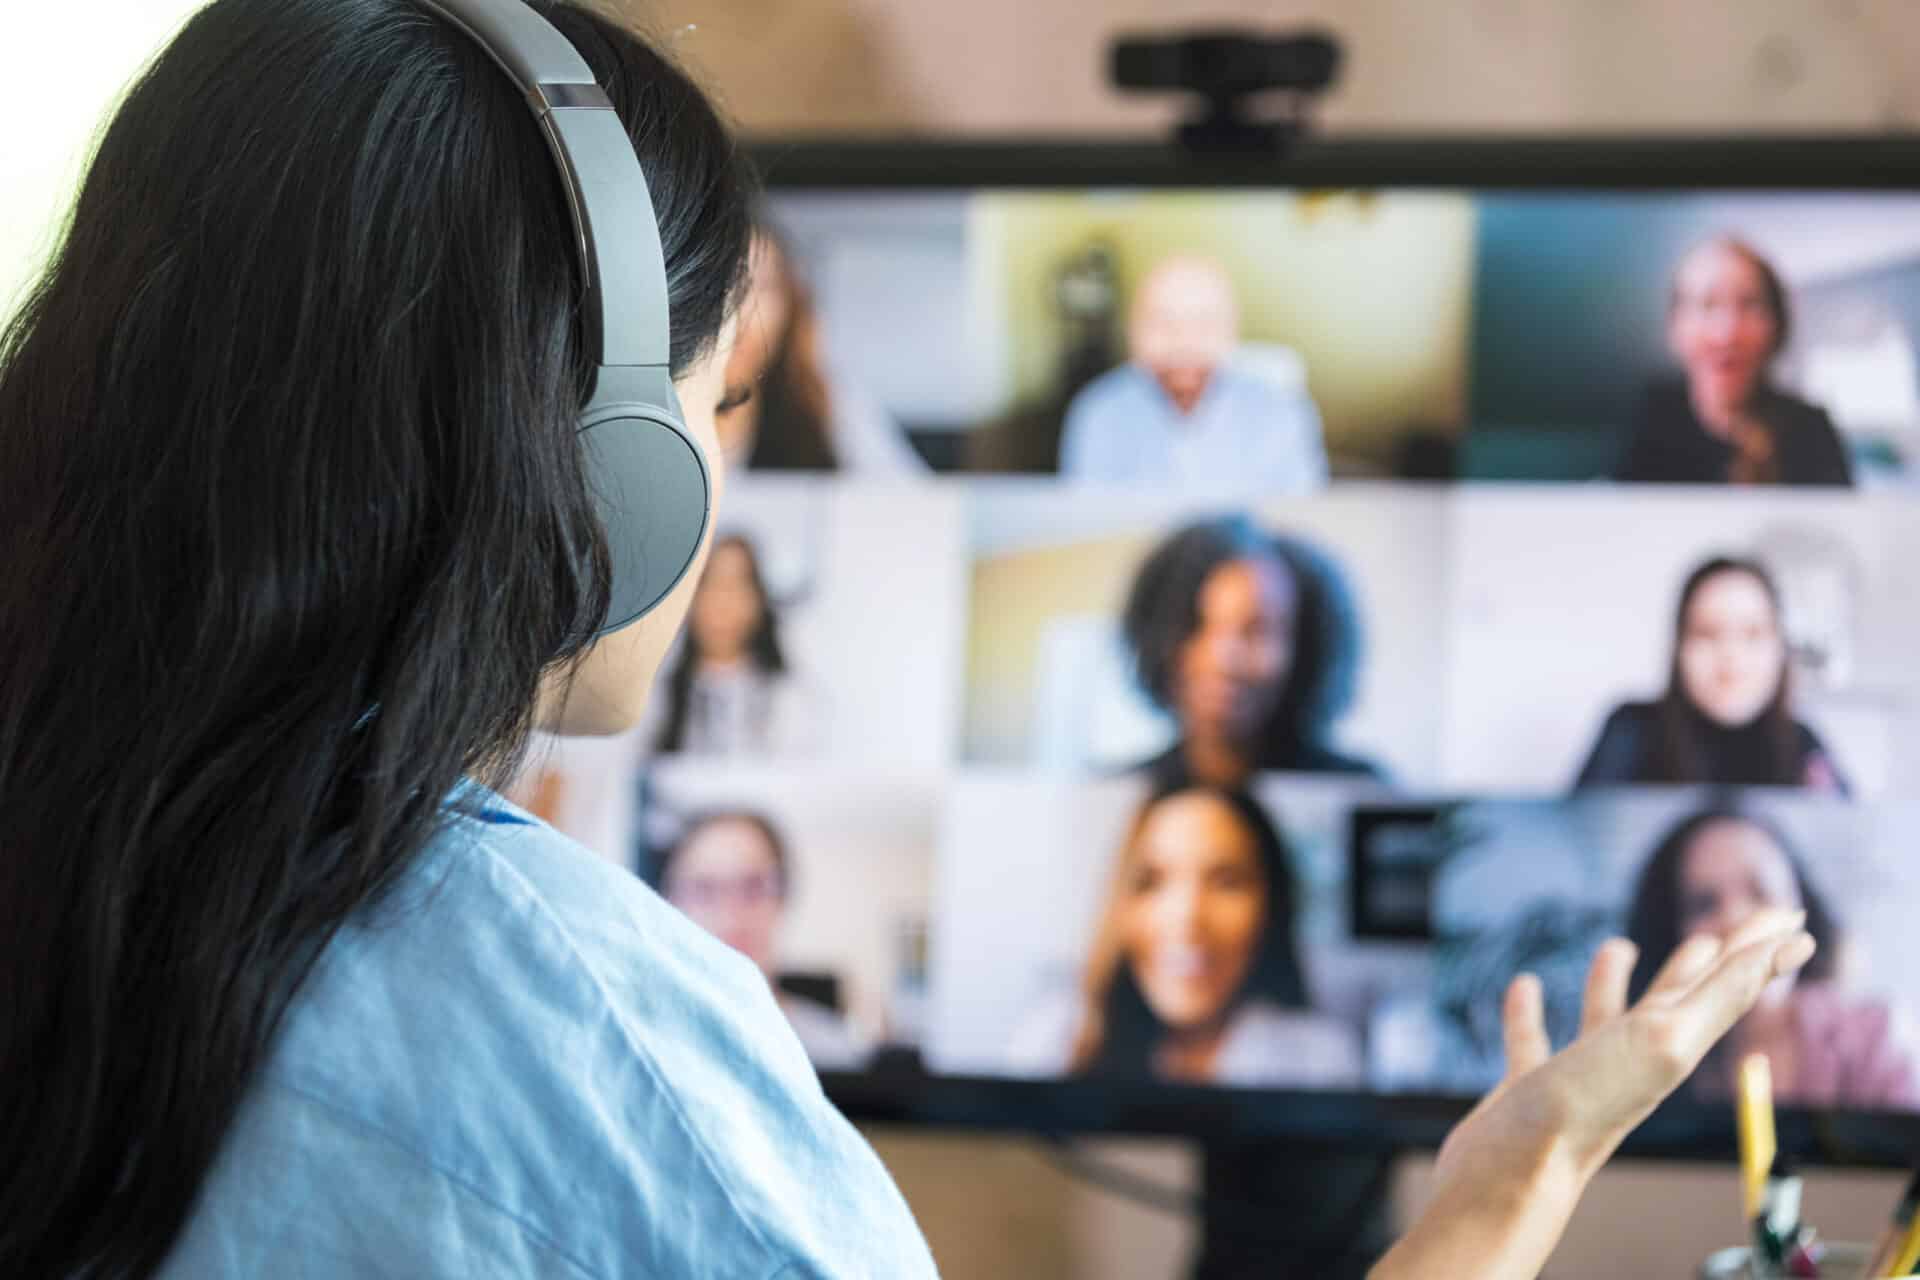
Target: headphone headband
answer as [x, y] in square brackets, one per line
[615, 231]
[648, 477]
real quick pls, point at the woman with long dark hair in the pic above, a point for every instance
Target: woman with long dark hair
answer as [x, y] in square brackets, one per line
[1251, 641]
[298, 547]
[806, 413]
[300, 541]
[1724, 420]
[1195, 970]
[1829, 1047]
[1727, 714]
[731, 689]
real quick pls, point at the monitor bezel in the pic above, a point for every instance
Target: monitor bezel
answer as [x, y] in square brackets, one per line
[1362, 1121]
[1812, 162]
[1384, 1123]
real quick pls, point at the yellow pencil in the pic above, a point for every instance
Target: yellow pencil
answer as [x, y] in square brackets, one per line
[1754, 1115]
[1909, 1255]
[1887, 1252]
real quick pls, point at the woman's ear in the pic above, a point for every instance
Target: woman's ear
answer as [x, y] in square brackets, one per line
[606, 691]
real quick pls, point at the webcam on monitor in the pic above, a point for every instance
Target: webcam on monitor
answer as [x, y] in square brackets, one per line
[1228, 69]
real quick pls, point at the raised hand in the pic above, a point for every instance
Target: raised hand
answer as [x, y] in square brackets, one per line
[1511, 1173]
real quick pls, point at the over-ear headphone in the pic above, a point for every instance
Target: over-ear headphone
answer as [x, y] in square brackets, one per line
[648, 477]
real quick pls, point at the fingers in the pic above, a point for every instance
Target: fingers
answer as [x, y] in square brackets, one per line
[1794, 954]
[1607, 981]
[1766, 924]
[1695, 958]
[1689, 962]
[1525, 1022]
[1724, 996]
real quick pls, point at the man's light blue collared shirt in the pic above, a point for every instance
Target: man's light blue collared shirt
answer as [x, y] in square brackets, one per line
[524, 1063]
[1245, 436]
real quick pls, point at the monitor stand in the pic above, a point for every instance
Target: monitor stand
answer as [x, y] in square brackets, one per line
[1292, 1211]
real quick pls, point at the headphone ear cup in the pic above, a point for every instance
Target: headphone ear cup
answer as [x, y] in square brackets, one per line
[654, 498]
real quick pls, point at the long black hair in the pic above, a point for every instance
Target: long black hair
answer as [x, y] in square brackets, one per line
[793, 431]
[1654, 915]
[1163, 610]
[1681, 746]
[763, 648]
[296, 527]
[1119, 1032]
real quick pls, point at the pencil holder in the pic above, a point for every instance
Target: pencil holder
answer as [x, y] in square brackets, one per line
[1837, 1262]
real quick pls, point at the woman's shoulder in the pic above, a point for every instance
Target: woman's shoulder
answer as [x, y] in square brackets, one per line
[1782, 406]
[1166, 771]
[1664, 399]
[577, 1033]
[799, 713]
[1272, 1046]
[1620, 750]
[1813, 451]
[1820, 771]
[1632, 714]
[1626, 725]
[1322, 758]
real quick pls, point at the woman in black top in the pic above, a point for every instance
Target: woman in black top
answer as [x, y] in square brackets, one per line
[1726, 716]
[1252, 642]
[1724, 422]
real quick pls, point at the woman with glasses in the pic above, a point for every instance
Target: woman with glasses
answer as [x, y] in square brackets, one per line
[731, 874]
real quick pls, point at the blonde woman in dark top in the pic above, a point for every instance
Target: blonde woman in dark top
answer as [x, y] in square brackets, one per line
[1724, 421]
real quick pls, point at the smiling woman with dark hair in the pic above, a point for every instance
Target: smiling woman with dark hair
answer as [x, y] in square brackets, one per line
[1252, 642]
[1829, 1047]
[1195, 972]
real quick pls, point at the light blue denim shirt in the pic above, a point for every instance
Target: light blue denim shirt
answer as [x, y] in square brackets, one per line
[1245, 438]
[524, 1063]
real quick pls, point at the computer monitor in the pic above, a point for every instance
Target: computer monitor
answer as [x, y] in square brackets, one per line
[1187, 632]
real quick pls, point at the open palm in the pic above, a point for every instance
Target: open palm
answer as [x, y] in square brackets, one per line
[1510, 1174]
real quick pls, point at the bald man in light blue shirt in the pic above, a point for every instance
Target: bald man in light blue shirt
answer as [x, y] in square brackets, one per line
[1184, 412]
